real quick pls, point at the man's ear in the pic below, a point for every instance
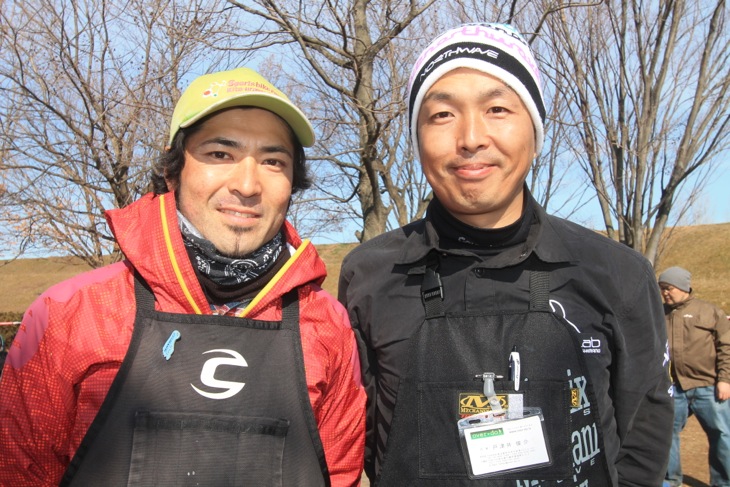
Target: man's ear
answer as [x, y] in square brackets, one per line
[171, 186]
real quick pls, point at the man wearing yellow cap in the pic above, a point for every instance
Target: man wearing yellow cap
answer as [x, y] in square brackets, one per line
[211, 355]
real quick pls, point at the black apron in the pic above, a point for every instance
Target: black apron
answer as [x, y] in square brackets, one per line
[229, 408]
[448, 352]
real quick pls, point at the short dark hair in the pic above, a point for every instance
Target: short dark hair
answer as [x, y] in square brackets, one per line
[170, 164]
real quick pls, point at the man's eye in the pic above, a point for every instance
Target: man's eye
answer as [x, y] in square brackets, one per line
[218, 155]
[441, 115]
[497, 110]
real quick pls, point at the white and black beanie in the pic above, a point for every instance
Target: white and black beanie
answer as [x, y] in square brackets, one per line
[496, 49]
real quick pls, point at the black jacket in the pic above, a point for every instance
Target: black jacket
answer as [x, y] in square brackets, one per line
[600, 286]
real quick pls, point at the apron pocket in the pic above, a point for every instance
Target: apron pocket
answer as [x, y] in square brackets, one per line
[439, 408]
[179, 449]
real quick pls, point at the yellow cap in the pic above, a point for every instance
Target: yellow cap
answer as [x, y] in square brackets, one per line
[236, 88]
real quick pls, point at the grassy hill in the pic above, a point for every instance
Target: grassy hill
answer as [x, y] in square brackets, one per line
[703, 249]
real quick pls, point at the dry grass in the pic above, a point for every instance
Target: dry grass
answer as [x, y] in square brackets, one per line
[23, 280]
[333, 255]
[703, 249]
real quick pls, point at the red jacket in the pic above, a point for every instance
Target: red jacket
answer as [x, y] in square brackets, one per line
[74, 336]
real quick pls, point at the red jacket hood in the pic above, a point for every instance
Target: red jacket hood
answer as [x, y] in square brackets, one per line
[148, 234]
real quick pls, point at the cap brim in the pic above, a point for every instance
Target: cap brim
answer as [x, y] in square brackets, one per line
[288, 112]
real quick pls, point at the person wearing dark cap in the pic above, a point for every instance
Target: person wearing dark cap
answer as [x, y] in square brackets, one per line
[500, 345]
[210, 355]
[699, 346]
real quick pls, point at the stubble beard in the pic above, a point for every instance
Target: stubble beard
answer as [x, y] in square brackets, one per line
[238, 251]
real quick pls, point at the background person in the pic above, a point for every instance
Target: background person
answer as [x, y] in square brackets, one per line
[699, 344]
[211, 355]
[446, 299]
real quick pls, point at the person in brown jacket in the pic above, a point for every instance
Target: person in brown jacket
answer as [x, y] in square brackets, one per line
[699, 341]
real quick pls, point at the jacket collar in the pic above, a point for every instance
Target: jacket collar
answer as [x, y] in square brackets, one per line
[148, 234]
[543, 240]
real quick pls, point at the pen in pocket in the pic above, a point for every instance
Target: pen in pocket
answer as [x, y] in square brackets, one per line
[514, 367]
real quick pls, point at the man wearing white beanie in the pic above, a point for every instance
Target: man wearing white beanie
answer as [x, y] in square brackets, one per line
[500, 345]
[699, 343]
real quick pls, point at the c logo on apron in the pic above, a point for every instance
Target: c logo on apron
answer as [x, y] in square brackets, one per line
[207, 375]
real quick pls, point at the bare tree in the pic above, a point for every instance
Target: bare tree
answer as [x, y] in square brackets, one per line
[87, 90]
[646, 99]
[354, 58]
[349, 52]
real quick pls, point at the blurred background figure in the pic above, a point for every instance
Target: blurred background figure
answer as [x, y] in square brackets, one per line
[699, 341]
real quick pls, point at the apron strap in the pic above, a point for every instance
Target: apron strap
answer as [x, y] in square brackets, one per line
[290, 310]
[143, 294]
[289, 303]
[290, 321]
[432, 290]
[539, 290]
[145, 302]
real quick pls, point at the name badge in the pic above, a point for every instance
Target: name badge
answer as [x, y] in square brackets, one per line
[493, 445]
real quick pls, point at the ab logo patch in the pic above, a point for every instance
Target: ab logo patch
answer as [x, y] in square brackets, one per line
[591, 343]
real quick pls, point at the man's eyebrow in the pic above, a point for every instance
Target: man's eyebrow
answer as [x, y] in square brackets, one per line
[281, 149]
[482, 96]
[437, 96]
[496, 93]
[222, 141]
[233, 144]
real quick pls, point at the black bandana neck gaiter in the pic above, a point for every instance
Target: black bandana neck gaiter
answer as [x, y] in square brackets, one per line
[228, 271]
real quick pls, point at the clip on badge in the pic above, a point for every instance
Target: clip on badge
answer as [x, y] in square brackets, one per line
[503, 440]
[494, 444]
[489, 392]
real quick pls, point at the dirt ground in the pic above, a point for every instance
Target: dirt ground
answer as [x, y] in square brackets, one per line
[694, 447]
[694, 456]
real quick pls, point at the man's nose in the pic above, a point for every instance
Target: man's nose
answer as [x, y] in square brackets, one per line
[244, 178]
[474, 133]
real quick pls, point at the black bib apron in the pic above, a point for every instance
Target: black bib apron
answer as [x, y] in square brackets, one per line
[445, 355]
[229, 408]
